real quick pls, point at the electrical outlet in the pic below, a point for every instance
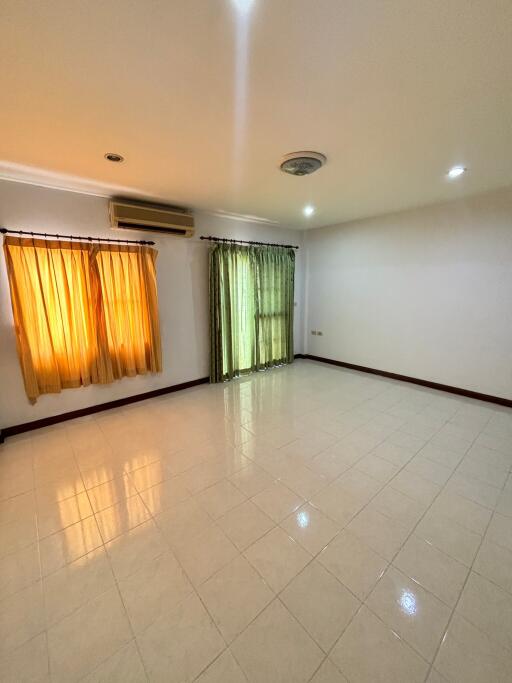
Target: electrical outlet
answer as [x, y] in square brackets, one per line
[320, 334]
[314, 332]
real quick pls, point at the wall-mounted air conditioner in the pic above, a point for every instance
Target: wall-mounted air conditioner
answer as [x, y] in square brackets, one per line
[132, 215]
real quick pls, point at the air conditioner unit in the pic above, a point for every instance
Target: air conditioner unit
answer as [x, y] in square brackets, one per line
[132, 215]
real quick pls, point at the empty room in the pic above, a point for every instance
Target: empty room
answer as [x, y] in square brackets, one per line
[256, 341]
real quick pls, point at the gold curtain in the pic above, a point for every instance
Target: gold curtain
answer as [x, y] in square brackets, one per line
[127, 276]
[82, 313]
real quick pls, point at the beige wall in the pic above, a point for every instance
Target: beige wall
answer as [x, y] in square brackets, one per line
[425, 293]
[182, 268]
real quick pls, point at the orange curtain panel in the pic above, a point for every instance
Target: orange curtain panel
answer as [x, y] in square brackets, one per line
[83, 314]
[127, 277]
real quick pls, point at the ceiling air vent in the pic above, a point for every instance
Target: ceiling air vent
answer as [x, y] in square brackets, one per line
[132, 215]
[302, 163]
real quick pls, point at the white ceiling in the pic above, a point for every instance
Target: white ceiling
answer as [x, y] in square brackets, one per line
[203, 97]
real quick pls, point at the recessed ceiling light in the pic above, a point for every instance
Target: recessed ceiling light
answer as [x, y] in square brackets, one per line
[455, 172]
[308, 210]
[112, 156]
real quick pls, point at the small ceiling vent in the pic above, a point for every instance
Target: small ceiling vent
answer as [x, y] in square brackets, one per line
[302, 163]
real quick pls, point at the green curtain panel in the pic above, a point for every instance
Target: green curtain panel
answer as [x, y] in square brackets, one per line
[251, 309]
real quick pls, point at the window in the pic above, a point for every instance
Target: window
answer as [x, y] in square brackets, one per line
[82, 313]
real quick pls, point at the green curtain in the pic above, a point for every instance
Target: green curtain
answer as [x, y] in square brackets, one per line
[251, 309]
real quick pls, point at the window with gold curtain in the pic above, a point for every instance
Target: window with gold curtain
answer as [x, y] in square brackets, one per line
[83, 313]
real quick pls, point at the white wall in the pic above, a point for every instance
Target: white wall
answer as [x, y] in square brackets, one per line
[425, 293]
[182, 267]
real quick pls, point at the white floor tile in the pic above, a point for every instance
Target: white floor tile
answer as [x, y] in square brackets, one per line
[27, 663]
[500, 531]
[245, 524]
[135, 549]
[489, 608]
[431, 568]
[354, 563]
[275, 648]
[468, 655]
[380, 533]
[183, 641]
[399, 507]
[277, 501]
[251, 480]
[91, 634]
[18, 570]
[321, 603]
[220, 498]
[223, 670]
[310, 527]
[21, 617]
[153, 590]
[121, 517]
[305, 482]
[234, 596]
[277, 558]
[205, 554]
[328, 673]
[71, 587]
[494, 562]
[408, 609]
[125, 665]
[370, 652]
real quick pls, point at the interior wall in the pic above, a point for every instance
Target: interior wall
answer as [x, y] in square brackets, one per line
[182, 268]
[425, 293]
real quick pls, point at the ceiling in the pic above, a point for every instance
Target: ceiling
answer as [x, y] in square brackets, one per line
[203, 98]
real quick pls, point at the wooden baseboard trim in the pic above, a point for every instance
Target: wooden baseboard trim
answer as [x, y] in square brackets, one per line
[91, 410]
[63, 417]
[467, 393]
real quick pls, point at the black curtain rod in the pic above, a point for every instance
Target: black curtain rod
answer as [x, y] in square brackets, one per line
[260, 244]
[72, 237]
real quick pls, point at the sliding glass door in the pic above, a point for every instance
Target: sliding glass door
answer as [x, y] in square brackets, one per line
[251, 309]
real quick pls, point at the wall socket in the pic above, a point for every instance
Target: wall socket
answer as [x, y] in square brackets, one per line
[317, 333]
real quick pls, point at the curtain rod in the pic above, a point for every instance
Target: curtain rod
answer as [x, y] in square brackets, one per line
[72, 237]
[262, 244]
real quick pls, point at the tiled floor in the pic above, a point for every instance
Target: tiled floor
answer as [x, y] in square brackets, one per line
[305, 524]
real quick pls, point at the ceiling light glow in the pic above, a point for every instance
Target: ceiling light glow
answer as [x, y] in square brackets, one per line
[308, 210]
[455, 172]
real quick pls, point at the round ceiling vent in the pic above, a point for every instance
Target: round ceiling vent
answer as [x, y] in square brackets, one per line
[113, 156]
[302, 163]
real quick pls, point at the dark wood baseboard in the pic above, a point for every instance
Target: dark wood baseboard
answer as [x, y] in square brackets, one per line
[63, 417]
[467, 393]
